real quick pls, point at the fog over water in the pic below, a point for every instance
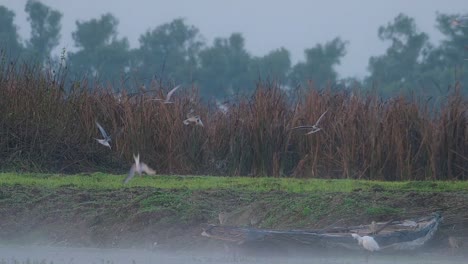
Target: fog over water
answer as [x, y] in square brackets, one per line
[59, 255]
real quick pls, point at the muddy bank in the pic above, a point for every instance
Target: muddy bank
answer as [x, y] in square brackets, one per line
[151, 218]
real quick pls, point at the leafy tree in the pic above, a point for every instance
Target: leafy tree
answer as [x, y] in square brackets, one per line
[170, 51]
[320, 62]
[400, 66]
[456, 39]
[9, 40]
[101, 54]
[225, 67]
[45, 29]
[275, 65]
[445, 65]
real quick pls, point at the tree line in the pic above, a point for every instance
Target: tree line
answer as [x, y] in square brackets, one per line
[175, 52]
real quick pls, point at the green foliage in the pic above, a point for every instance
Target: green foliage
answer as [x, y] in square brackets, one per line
[101, 54]
[274, 65]
[445, 65]
[177, 201]
[95, 32]
[399, 67]
[225, 67]
[175, 52]
[188, 183]
[412, 64]
[9, 39]
[319, 63]
[456, 40]
[169, 51]
[45, 29]
[383, 211]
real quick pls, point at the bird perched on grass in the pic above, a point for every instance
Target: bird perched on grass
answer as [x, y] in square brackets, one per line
[106, 138]
[168, 96]
[193, 119]
[367, 242]
[314, 128]
[138, 167]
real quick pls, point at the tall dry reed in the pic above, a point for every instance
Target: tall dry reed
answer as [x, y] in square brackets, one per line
[47, 123]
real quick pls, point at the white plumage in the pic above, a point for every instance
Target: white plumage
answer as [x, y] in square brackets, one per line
[138, 167]
[314, 128]
[167, 100]
[193, 119]
[106, 137]
[367, 242]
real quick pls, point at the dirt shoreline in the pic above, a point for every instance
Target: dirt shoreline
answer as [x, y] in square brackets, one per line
[153, 218]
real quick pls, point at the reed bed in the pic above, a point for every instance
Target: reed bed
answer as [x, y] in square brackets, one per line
[47, 124]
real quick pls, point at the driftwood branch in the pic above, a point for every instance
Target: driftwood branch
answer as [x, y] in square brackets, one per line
[382, 227]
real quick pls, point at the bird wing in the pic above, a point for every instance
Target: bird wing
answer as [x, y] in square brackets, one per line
[147, 169]
[315, 130]
[191, 119]
[169, 94]
[103, 132]
[320, 118]
[103, 142]
[303, 127]
[200, 122]
[131, 173]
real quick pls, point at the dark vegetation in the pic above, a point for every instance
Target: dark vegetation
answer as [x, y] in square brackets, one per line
[49, 105]
[175, 52]
[47, 123]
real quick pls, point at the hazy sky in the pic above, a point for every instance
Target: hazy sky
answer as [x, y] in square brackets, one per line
[265, 24]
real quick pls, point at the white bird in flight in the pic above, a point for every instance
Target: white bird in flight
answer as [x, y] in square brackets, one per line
[138, 167]
[106, 137]
[314, 128]
[168, 96]
[193, 119]
[367, 242]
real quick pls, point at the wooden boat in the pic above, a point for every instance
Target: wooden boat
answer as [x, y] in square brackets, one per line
[407, 234]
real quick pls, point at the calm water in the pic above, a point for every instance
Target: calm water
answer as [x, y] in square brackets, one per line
[62, 255]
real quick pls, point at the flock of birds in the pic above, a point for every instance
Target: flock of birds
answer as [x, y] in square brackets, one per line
[140, 167]
[367, 242]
